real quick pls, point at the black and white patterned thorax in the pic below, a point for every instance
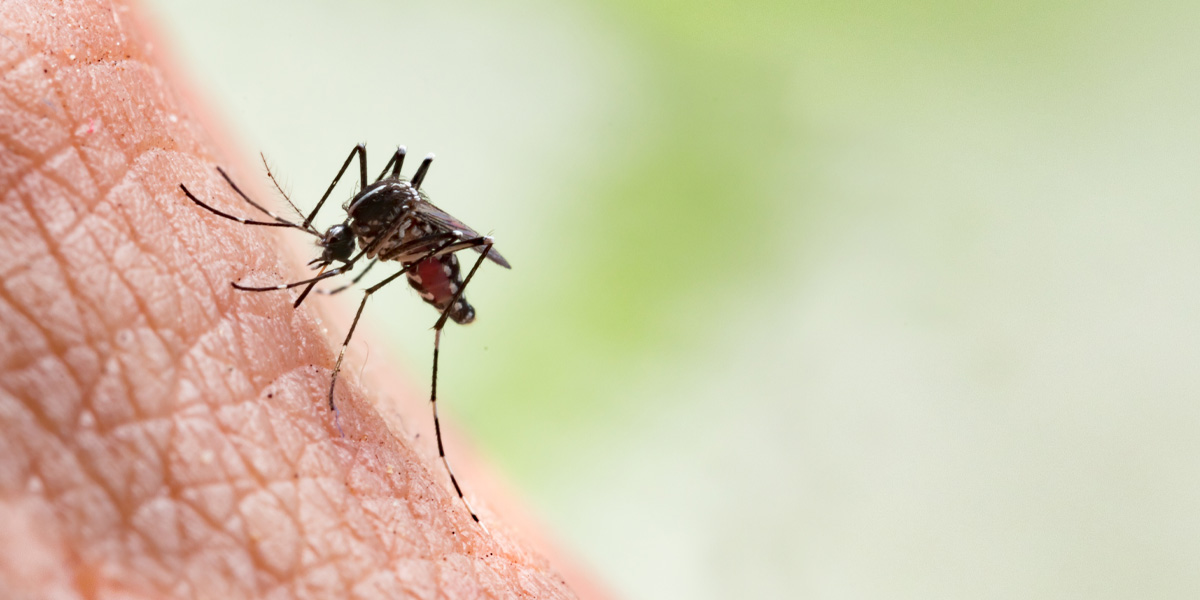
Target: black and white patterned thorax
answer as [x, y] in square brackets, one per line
[385, 208]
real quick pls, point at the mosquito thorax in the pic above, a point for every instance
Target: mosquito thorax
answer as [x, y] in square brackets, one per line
[337, 244]
[376, 209]
[380, 203]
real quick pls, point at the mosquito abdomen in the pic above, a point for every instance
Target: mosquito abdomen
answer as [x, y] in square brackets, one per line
[437, 280]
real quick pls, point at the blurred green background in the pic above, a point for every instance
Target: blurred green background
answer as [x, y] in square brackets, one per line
[809, 300]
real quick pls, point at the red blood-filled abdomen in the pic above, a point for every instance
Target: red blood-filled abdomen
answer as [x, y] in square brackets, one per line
[437, 280]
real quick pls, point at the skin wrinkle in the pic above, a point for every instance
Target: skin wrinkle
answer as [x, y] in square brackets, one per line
[48, 491]
[18, 197]
[34, 63]
[29, 323]
[263, 482]
[84, 187]
[37, 168]
[53, 250]
[13, 234]
[45, 424]
[42, 171]
[19, 142]
[234, 485]
[37, 357]
[191, 252]
[142, 309]
[115, 367]
[50, 428]
[68, 168]
[181, 495]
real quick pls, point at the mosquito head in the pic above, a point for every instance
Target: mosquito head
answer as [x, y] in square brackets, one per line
[336, 245]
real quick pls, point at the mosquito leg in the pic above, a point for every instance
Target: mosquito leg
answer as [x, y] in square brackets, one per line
[201, 204]
[387, 233]
[395, 164]
[360, 151]
[285, 286]
[400, 152]
[313, 282]
[450, 245]
[486, 243]
[437, 430]
[357, 278]
[337, 367]
[350, 263]
[437, 341]
[419, 176]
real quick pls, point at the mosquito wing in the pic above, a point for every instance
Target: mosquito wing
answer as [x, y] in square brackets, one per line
[435, 216]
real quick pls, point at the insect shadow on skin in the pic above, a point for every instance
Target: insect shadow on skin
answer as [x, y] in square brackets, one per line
[389, 219]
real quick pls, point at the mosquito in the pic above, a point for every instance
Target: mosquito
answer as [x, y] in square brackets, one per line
[389, 219]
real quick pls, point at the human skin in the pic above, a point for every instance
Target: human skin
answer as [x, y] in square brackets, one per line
[165, 435]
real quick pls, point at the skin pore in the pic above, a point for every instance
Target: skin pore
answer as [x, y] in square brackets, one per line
[165, 435]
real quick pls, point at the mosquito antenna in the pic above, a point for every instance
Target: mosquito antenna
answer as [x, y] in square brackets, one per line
[279, 188]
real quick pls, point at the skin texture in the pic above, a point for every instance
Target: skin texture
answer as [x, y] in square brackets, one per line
[165, 435]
